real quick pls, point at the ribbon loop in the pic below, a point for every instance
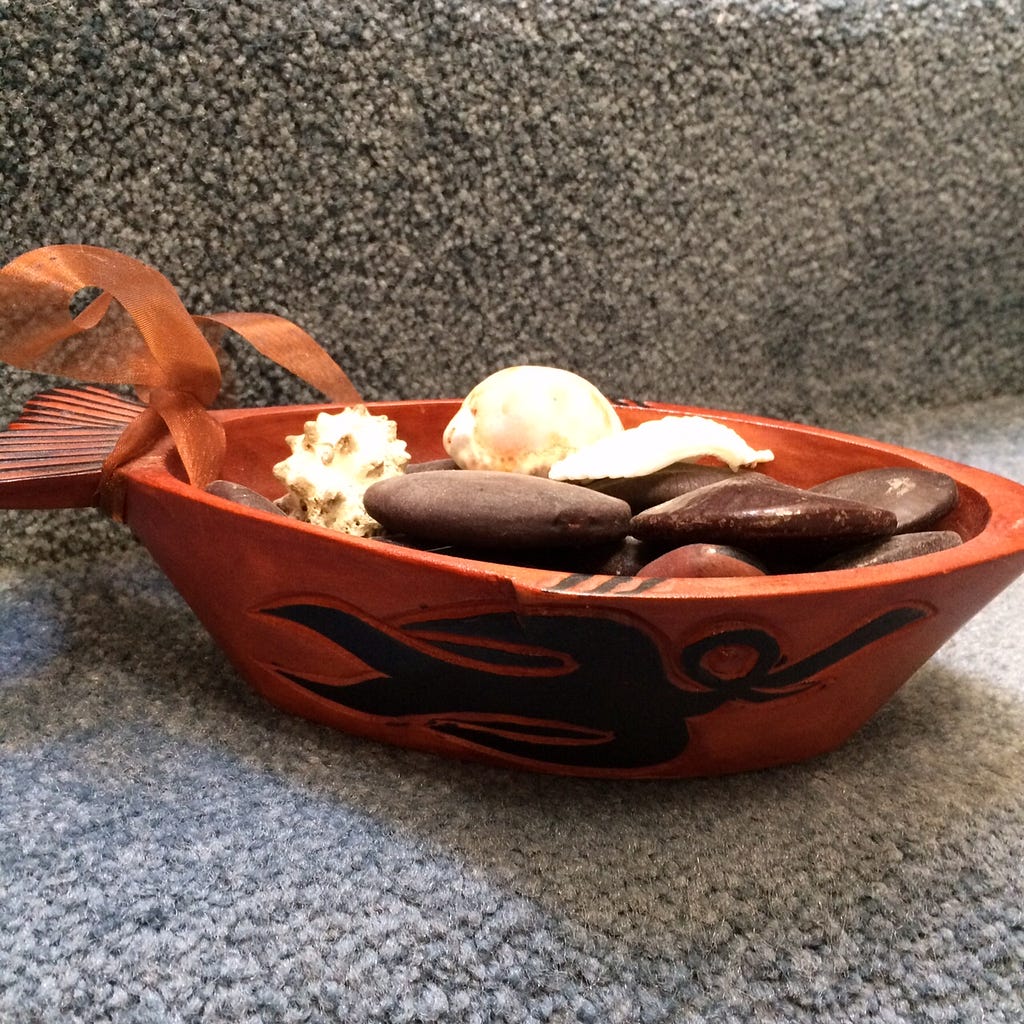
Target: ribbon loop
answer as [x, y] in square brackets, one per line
[138, 332]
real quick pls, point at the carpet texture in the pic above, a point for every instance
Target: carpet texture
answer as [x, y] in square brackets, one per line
[679, 198]
[806, 209]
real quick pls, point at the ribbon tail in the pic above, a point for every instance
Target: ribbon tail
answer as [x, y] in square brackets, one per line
[289, 346]
[198, 438]
[138, 437]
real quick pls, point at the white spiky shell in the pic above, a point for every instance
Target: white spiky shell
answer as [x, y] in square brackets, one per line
[333, 462]
[656, 444]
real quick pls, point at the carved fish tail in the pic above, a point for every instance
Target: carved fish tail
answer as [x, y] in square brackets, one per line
[52, 455]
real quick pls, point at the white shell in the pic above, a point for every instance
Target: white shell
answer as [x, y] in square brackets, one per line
[524, 418]
[333, 461]
[655, 444]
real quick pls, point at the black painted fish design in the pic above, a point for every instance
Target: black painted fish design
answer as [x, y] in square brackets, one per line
[559, 689]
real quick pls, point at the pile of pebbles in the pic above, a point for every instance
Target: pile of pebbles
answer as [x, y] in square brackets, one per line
[518, 488]
[690, 520]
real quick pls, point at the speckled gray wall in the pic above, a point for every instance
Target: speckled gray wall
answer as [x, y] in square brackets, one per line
[796, 208]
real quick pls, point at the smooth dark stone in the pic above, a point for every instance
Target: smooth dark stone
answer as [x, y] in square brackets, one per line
[615, 558]
[624, 558]
[703, 561]
[431, 466]
[643, 492]
[611, 558]
[757, 513]
[894, 549]
[918, 497]
[242, 495]
[480, 508]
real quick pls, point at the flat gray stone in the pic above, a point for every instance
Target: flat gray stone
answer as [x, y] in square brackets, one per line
[484, 509]
[894, 549]
[242, 495]
[644, 492]
[917, 497]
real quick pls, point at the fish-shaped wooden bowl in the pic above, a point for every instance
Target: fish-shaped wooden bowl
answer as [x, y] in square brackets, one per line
[542, 669]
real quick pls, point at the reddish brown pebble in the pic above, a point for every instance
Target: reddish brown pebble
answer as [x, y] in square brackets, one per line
[242, 495]
[917, 497]
[755, 512]
[487, 509]
[702, 560]
[894, 549]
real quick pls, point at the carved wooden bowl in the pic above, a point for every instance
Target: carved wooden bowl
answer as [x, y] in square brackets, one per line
[558, 671]
[553, 670]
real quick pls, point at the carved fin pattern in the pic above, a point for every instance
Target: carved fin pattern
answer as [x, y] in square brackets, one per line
[64, 434]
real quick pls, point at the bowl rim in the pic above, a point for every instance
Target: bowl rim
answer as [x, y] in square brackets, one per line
[1001, 536]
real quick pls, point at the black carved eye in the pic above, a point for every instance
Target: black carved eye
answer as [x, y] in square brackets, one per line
[730, 661]
[736, 654]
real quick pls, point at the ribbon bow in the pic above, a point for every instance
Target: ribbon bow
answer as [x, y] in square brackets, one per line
[138, 332]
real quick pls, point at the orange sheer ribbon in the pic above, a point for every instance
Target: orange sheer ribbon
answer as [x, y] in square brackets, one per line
[138, 332]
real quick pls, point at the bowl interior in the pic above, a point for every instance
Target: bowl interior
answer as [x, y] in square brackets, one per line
[804, 456]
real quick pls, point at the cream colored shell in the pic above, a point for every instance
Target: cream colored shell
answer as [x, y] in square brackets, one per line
[525, 418]
[656, 444]
[333, 461]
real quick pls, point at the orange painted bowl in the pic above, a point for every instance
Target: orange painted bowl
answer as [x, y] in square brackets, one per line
[554, 670]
